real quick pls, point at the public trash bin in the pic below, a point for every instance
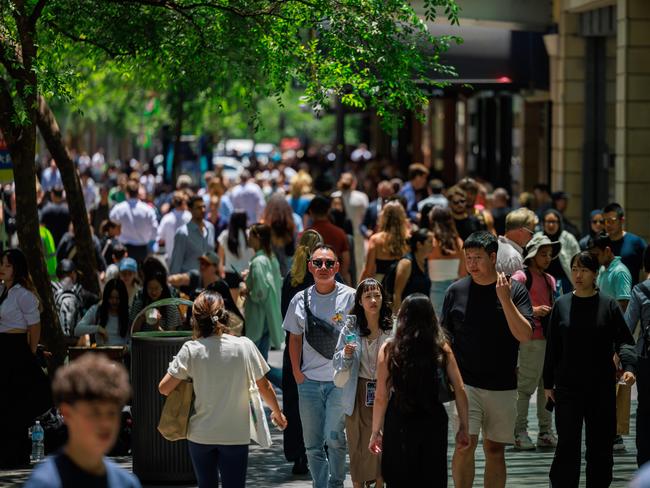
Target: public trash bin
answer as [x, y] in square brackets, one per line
[155, 459]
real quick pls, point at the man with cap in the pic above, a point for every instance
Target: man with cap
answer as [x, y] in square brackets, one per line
[520, 227]
[71, 300]
[541, 290]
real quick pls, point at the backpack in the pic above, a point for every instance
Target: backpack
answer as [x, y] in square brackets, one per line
[551, 293]
[643, 348]
[68, 307]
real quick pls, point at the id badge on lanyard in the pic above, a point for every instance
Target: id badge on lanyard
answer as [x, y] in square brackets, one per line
[371, 388]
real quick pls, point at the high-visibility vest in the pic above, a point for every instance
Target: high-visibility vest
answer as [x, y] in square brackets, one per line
[49, 250]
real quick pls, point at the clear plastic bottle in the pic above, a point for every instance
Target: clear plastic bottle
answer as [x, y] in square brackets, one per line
[38, 442]
[350, 324]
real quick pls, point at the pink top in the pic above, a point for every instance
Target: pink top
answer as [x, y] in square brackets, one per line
[539, 293]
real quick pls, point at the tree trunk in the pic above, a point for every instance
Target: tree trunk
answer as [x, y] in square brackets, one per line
[23, 150]
[51, 133]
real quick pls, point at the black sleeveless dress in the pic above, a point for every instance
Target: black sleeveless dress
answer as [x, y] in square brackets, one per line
[415, 441]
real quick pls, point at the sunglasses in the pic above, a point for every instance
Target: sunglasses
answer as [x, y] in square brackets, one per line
[458, 202]
[598, 221]
[318, 263]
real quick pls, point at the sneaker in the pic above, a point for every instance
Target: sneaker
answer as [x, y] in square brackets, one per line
[300, 465]
[523, 442]
[546, 440]
[619, 445]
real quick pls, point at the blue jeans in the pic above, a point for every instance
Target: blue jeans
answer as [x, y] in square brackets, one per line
[323, 422]
[211, 460]
[263, 345]
[437, 295]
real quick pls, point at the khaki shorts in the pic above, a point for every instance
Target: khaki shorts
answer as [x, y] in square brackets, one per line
[493, 412]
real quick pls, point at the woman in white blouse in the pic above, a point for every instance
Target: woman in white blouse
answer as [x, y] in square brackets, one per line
[25, 390]
[109, 319]
[219, 366]
[234, 252]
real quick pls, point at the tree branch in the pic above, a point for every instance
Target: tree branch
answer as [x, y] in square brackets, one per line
[106, 49]
[36, 13]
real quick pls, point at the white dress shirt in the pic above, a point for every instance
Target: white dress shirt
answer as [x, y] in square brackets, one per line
[250, 198]
[138, 220]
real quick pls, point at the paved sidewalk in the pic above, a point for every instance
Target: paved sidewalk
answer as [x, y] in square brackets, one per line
[268, 468]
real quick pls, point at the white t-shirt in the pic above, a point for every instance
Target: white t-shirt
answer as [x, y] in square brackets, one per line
[240, 263]
[19, 310]
[217, 366]
[333, 307]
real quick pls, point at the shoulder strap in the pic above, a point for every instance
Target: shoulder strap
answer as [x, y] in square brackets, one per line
[529, 278]
[643, 288]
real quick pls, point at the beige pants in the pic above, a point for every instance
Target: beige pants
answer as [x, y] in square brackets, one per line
[529, 377]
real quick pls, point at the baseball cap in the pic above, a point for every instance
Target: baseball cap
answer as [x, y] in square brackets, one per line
[65, 266]
[210, 257]
[129, 264]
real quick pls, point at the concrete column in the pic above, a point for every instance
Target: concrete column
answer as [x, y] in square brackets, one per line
[567, 71]
[632, 176]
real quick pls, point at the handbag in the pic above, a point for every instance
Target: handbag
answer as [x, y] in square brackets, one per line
[320, 334]
[259, 427]
[175, 414]
[445, 389]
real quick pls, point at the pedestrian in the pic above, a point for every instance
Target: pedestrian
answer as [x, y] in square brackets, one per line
[475, 209]
[500, 209]
[355, 363]
[248, 196]
[193, 239]
[155, 288]
[412, 272]
[138, 221]
[541, 290]
[520, 228]
[409, 423]
[561, 203]
[262, 292]
[465, 222]
[389, 244]
[437, 197]
[284, 230]
[323, 305]
[596, 226]
[638, 312]
[371, 216]
[585, 329]
[624, 244]
[90, 393]
[415, 189]
[219, 365]
[318, 210]
[234, 252]
[128, 268]
[298, 279]
[487, 316]
[108, 320]
[55, 214]
[614, 279]
[447, 260]
[173, 220]
[560, 268]
[300, 193]
[26, 391]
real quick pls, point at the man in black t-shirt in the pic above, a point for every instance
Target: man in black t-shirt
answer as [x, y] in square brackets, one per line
[486, 316]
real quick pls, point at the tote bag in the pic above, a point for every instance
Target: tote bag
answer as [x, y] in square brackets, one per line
[259, 427]
[175, 414]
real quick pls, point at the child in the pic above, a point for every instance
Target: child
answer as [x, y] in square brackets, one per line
[90, 392]
[541, 288]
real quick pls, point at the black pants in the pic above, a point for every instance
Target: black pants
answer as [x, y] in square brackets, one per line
[643, 412]
[139, 253]
[294, 445]
[596, 406]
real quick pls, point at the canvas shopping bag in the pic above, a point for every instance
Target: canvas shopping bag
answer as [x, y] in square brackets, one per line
[175, 414]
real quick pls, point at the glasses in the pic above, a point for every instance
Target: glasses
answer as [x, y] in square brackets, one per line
[611, 220]
[598, 221]
[528, 230]
[318, 263]
[551, 221]
[458, 202]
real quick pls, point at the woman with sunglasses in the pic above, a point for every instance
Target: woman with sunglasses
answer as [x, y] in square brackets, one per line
[355, 362]
[466, 224]
[596, 226]
[553, 228]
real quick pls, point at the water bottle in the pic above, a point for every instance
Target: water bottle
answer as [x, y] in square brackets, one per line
[558, 289]
[38, 442]
[351, 322]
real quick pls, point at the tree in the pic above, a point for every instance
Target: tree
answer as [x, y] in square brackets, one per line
[363, 52]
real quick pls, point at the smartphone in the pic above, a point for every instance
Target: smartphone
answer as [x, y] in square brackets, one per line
[550, 405]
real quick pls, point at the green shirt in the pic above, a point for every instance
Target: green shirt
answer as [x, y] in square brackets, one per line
[49, 251]
[262, 307]
[615, 280]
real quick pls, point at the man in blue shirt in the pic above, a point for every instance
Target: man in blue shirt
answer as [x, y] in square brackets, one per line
[415, 189]
[624, 244]
[614, 278]
[90, 392]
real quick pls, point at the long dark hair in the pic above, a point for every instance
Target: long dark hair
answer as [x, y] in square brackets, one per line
[123, 312]
[385, 314]
[161, 278]
[21, 271]
[263, 233]
[444, 230]
[418, 237]
[415, 353]
[238, 222]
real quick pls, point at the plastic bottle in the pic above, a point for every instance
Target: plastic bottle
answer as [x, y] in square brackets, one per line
[38, 442]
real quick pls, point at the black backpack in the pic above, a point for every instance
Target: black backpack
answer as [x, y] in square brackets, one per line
[551, 294]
